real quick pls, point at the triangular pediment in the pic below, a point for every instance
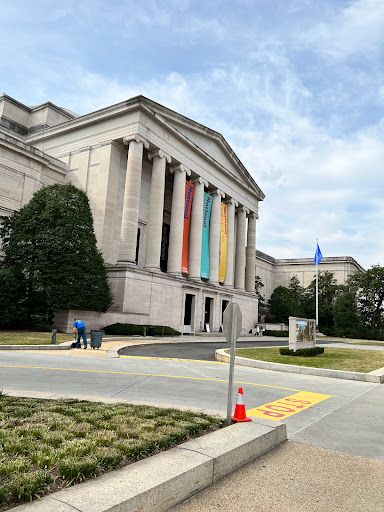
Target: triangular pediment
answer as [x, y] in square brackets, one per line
[208, 141]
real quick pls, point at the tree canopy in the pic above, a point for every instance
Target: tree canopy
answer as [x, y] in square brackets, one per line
[345, 315]
[368, 288]
[281, 304]
[51, 243]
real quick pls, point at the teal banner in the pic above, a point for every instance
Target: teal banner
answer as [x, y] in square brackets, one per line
[204, 267]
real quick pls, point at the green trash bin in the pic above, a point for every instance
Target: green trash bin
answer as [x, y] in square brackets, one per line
[96, 338]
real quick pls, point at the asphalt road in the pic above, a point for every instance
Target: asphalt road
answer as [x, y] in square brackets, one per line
[205, 351]
[346, 408]
[198, 351]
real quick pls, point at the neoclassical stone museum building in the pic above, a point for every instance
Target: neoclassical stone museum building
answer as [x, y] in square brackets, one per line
[175, 211]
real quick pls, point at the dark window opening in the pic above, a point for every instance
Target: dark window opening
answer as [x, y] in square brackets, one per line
[188, 309]
[137, 245]
[164, 247]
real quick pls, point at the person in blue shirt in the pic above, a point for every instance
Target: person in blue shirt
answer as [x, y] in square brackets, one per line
[81, 332]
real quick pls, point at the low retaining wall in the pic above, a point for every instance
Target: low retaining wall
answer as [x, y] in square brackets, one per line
[164, 480]
[376, 376]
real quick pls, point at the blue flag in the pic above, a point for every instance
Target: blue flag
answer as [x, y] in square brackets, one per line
[318, 255]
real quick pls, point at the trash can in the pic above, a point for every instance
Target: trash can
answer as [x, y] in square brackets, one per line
[96, 338]
[151, 331]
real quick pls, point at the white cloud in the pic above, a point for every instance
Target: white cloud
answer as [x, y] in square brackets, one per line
[355, 29]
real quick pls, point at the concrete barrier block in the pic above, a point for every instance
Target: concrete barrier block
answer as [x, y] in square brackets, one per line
[151, 485]
[234, 447]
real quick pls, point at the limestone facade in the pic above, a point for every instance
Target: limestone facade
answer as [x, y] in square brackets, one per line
[278, 272]
[23, 170]
[133, 160]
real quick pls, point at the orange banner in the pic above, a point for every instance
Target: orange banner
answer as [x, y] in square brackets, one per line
[223, 243]
[189, 189]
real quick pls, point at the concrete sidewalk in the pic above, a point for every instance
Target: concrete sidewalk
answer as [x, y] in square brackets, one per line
[296, 478]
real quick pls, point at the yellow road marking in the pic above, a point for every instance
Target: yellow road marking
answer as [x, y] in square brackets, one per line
[143, 374]
[285, 407]
[172, 359]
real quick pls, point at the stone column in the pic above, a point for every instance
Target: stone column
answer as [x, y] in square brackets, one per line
[251, 254]
[156, 206]
[240, 249]
[229, 275]
[177, 220]
[196, 229]
[214, 237]
[131, 206]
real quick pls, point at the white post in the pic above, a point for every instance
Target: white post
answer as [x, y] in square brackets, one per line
[317, 283]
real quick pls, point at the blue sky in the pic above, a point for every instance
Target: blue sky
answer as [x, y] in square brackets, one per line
[295, 86]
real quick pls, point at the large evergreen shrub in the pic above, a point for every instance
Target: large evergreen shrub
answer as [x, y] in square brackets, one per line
[52, 244]
[138, 330]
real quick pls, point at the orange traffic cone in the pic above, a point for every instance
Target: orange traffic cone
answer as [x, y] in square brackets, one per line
[240, 408]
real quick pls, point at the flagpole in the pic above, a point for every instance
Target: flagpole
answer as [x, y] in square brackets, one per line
[317, 282]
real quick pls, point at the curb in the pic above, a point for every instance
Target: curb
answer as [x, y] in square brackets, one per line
[376, 376]
[66, 345]
[166, 479]
[41, 395]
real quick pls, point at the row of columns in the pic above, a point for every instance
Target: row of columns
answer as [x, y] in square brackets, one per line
[244, 275]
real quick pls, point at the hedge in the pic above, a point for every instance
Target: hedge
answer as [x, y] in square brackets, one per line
[281, 334]
[138, 330]
[303, 352]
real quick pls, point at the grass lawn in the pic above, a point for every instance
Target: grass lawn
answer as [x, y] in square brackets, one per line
[333, 358]
[376, 343]
[31, 338]
[46, 446]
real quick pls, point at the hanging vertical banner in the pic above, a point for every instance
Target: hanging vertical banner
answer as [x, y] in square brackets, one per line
[189, 189]
[223, 243]
[204, 266]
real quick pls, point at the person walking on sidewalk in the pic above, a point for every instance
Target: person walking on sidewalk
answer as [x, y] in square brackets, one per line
[81, 332]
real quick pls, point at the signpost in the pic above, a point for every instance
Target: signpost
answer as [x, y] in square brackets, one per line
[232, 319]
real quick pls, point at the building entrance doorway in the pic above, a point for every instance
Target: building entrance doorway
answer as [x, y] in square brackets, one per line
[224, 305]
[189, 313]
[208, 314]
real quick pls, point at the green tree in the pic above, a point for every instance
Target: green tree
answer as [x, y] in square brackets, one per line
[13, 304]
[345, 315]
[281, 304]
[368, 288]
[328, 290]
[52, 244]
[263, 306]
[298, 295]
[258, 286]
